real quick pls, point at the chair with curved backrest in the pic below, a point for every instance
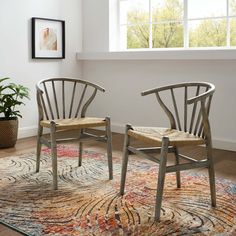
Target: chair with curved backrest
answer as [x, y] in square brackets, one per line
[62, 106]
[189, 125]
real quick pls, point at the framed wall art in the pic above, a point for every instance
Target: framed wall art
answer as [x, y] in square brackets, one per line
[48, 38]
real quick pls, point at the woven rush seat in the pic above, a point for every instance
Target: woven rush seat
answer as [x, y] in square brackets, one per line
[75, 123]
[154, 135]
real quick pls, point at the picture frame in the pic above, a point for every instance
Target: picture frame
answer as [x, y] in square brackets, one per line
[48, 38]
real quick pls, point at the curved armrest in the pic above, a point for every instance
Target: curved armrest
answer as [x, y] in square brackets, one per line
[190, 100]
[38, 89]
[163, 88]
[94, 85]
[202, 96]
[69, 79]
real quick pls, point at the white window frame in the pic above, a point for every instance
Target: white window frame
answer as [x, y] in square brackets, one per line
[185, 21]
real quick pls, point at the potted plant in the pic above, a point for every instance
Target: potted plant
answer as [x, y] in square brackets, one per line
[11, 96]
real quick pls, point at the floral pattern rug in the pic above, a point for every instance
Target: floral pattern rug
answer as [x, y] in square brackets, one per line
[87, 203]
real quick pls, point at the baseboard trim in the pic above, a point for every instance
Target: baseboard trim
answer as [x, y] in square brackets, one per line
[26, 132]
[118, 128]
[229, 145]
[223, 144]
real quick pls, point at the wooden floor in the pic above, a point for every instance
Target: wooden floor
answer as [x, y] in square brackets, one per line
[225, 161]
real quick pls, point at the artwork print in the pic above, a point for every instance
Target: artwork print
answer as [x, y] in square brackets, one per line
[48, 38]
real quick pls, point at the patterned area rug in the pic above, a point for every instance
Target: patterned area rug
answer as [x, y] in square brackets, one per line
[87, 203]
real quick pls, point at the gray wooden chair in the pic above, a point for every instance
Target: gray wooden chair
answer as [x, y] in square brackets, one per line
[189, 127]
[62, 106]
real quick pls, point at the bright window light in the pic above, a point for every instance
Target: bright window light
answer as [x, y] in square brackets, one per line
[156, 24]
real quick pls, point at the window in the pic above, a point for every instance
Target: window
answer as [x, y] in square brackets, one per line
[152, 24]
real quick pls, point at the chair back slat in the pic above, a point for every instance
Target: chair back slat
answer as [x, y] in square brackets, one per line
[185, 108]
[72, 99]
[188, 114]
[199, 131]
[55, 99]
[196, 127]
[48, 100]
[207, 107]
[175, 109]
[81, 100]
[194, 110]
[61, 98]
[85, 107]
[44, 109]
[206, 124]
[167, 111]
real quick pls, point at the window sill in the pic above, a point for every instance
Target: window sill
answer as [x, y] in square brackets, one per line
[172, 54]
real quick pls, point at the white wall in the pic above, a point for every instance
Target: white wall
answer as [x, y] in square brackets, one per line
[124, 80]
[95, 25]
[15, 48]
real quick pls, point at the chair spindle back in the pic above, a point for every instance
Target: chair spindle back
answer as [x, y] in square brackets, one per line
[187, 105]
[61, 98]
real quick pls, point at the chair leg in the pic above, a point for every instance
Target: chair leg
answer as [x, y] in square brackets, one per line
[54, 154]
[161, 177]
[211, 173]
[80, 153]
[109, 147]
[125, 160]
[178, 180]
[80, 149]
[39, 146]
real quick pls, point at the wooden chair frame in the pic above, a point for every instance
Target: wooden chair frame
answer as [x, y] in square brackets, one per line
[201, 129]
[49, 114]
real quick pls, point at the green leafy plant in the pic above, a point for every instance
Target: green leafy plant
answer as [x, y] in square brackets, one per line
[11, 96]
